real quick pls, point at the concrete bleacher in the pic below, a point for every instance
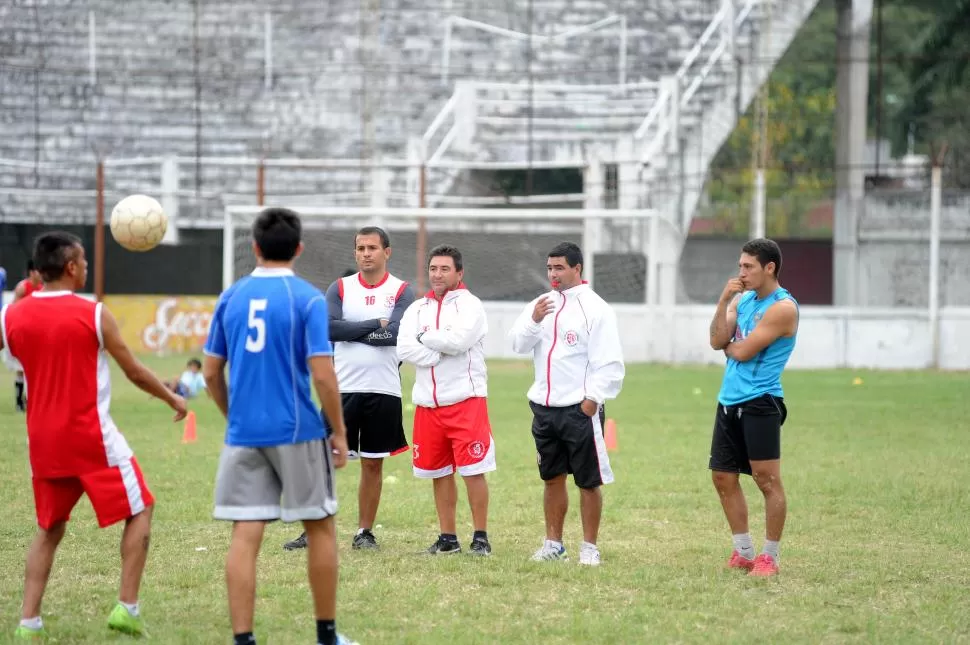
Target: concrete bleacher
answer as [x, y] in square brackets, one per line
[145, 100]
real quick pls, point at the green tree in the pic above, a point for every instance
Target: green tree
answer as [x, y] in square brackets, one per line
[934, 109]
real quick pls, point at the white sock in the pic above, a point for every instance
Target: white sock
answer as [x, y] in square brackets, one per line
[132, 608]
[588, 546]
[743, 545]
[34, 623]
[771, 548]
[359, 531]
[555, 546]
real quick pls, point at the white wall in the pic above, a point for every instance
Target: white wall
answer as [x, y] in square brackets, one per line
[828, 337]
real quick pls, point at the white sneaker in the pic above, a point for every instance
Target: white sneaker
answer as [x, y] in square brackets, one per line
[589, 556]
[547, 552]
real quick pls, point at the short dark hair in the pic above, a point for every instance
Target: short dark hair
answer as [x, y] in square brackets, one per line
[52, 252]
[374, 230]
[277, 233]
[30, 266]
[568, 250]
[196, 362]
[766, 251]
[446, 250]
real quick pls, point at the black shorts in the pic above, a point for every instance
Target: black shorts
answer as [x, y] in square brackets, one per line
[749, 431]
[570, 443]
[375, 426]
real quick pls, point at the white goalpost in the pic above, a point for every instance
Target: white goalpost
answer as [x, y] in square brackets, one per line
[504, 249]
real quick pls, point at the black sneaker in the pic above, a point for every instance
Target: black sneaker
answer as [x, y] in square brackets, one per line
[480, 546]
[364, 540]
[295, 545]
[444, 547]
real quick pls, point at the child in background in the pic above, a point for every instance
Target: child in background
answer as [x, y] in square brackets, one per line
[191, 382]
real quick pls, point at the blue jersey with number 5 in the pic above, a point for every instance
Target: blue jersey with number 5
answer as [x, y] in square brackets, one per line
[267, 326]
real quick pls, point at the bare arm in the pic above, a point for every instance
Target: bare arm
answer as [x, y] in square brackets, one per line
[387, 337]
[214, 372]
[325, 383]
[781, 320]
[135, 370]
[724, 322]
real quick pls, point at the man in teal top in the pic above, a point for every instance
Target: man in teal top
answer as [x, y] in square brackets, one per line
[755, 324]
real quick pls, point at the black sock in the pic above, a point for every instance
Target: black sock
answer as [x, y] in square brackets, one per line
[480, 535]
[449, 537]
[20, 392]
[244, 639]
[326, 632]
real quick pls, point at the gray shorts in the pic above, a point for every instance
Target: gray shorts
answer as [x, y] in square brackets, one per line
[252, 482]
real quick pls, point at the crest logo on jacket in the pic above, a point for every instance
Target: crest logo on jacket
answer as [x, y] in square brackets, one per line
[570, 338]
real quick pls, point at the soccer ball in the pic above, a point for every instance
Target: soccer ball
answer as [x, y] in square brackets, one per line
[138, 223]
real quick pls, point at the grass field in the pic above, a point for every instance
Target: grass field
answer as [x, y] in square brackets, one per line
[877, 546]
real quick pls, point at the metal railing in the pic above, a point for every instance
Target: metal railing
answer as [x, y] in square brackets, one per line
[457, 21]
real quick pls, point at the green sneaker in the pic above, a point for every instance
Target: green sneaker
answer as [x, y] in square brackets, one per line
[121, 621]
[28, 634]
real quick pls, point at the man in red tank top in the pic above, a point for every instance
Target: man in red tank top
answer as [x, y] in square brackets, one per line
[30, 284]
[61, 340]
[23, 289]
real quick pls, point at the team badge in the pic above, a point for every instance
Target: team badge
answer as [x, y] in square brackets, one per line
[476, 449]
[570, 338]
[390, 301]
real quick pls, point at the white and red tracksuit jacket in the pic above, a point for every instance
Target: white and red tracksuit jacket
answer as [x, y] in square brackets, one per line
[575, 349]
[450, 356]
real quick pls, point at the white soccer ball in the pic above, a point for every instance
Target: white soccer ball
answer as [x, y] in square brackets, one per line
[138, 223]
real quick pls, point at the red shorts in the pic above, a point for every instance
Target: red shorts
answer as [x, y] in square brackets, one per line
[453, 437]
[116, 493]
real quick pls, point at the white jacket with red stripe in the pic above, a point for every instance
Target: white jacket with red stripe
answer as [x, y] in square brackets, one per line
[576, 349]
[449, 357]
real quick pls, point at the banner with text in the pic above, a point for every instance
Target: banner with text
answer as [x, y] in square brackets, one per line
[163, 324]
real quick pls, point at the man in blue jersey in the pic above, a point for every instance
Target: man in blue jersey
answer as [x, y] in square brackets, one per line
[271, 327]
[755, 324]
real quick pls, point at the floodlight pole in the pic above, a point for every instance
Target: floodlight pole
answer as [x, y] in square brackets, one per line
[936, 204]
[421, 248]
[99, 234]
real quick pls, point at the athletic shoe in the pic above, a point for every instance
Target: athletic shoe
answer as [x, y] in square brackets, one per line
[547, 552]
[480, 546]
[444, 547]
[764, 565]
[122, 621]
[343, 640]
[297, 544]
[28, 634]
[364, 540]
[589, 556]
[738, 561]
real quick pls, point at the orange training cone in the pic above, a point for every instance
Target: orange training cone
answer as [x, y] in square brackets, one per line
[188, 434]
[610, 434]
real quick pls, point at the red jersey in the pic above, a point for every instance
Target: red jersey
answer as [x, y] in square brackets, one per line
[29, 287]
[56, 336]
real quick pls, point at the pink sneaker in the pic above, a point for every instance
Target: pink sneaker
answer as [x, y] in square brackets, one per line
[738, 561]
[764, 565]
